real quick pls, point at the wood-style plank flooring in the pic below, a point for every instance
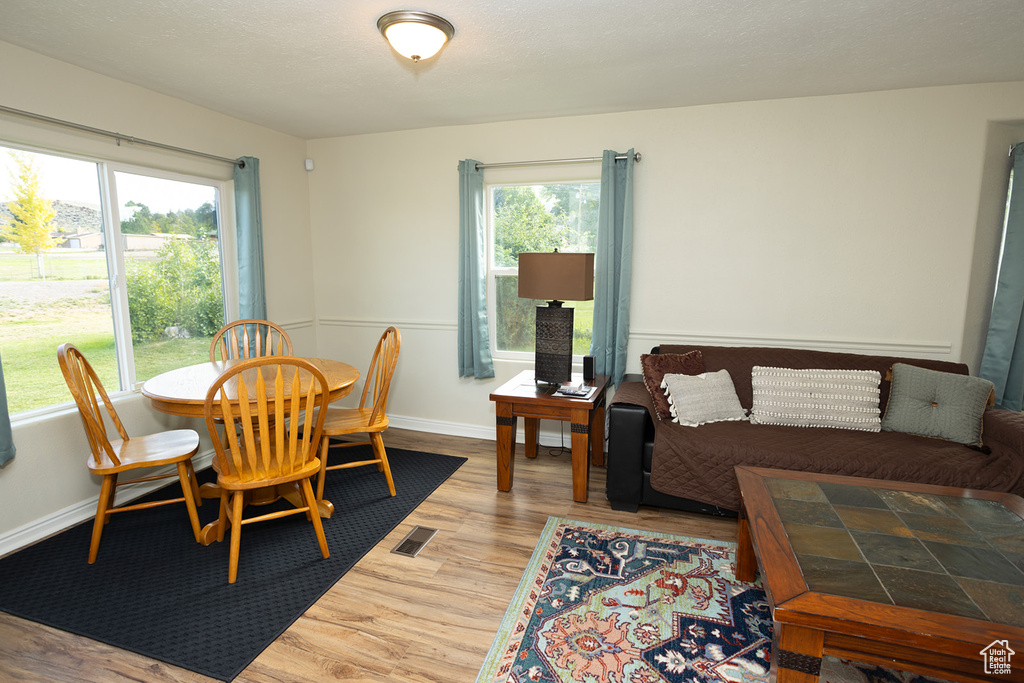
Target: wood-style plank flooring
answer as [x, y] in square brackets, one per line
[392, 618]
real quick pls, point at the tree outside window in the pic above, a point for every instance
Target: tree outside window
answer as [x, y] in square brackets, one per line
[530, 218]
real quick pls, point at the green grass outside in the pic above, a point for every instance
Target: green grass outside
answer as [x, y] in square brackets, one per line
[34, 380]
[17, 267]
[31, 332]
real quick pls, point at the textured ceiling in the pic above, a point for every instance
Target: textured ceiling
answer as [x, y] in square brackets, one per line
[319, 68]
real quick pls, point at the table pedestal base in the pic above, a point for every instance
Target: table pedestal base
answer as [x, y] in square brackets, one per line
[264, 496]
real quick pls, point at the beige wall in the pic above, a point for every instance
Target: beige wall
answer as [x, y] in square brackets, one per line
[841, 222]
[48, 475]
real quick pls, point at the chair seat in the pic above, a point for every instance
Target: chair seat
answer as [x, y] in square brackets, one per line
[110, 458]
[152, 450]
[243, 481]
[352, 421]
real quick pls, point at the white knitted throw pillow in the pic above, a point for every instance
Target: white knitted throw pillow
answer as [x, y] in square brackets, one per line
[843, 399]
[700, 399]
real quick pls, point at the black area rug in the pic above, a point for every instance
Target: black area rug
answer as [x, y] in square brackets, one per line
[155, 591]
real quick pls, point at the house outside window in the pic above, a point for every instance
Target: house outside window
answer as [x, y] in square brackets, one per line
[126, 263]
[529, 218]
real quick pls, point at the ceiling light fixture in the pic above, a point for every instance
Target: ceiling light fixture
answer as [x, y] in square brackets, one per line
[416, 35]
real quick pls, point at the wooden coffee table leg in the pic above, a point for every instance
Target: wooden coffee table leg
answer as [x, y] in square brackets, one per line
[506, 437]
[580, 422]
[796, 657]
[746, 560]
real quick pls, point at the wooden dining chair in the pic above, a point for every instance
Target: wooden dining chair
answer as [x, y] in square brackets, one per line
[110, 458]
[369, 418]
[250, 338]
[273, 411]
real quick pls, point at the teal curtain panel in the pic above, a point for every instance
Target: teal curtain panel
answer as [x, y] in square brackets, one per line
[613, 263]
[474, 340]
[1003, 361]
[6, 437]
[252, 296]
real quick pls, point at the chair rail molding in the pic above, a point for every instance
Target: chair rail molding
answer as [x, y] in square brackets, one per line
[937, 350]
[403, 325]
[299, 324]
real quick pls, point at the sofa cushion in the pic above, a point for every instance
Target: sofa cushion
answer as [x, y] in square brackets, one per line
[698, 463]
[656, 365]
[843, 399]
[704, 398]
[936, 404]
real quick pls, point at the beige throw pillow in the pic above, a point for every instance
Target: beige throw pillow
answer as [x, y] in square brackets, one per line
[843, 399]
[704, 398]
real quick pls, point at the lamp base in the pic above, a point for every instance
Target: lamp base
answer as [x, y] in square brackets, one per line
[553, 359]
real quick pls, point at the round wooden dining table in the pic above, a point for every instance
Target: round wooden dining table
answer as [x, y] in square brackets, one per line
[183, 392]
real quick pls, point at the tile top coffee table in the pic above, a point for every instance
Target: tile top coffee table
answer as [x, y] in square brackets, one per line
[924, 578]
[522, 397]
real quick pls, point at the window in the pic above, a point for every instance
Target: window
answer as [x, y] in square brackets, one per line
[123, 262]
[525, 218]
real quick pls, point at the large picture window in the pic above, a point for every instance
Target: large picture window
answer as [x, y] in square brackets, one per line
[125, 263]
[529, 218]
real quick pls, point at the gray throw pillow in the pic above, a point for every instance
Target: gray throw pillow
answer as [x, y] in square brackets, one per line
[703, 398]
[944, 405]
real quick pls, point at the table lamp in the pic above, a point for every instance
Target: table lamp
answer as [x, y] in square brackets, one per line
[556, 277]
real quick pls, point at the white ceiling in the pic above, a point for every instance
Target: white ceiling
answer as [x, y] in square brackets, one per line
[319, 68]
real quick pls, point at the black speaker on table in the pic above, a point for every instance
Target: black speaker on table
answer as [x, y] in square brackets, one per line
[588, 368]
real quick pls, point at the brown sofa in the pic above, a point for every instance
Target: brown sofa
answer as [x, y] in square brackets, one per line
[652, 462]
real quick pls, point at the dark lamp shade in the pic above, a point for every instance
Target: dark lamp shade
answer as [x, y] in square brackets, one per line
[556, 277]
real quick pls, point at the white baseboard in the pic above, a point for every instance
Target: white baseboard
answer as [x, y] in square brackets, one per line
[549, 435]
[43, 527]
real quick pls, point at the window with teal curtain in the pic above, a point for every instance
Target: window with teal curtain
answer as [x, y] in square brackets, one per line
[6, 437]
[1003, 361]
[252, 301]
[613, 266]
[474, 347]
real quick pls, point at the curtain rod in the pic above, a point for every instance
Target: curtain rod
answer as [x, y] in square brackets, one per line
[636, 158]
[117, 136]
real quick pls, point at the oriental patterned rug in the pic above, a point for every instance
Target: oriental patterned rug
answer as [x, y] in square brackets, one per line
[606, 604]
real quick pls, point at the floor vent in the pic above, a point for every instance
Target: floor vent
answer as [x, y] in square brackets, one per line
[414, 541]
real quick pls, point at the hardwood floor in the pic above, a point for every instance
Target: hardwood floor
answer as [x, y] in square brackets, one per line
[392, 618]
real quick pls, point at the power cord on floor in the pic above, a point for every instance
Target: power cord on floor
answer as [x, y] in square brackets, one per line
[555, 452]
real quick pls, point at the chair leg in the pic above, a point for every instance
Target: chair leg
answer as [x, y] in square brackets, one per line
[222, 514]
[106, 488]
[112, 501]
[378, 450]
[325, 444]
[195, 484]
[307, 493]
[236, 534]
[188, 492]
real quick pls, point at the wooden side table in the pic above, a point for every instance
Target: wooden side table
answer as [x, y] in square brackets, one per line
[522, 397]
